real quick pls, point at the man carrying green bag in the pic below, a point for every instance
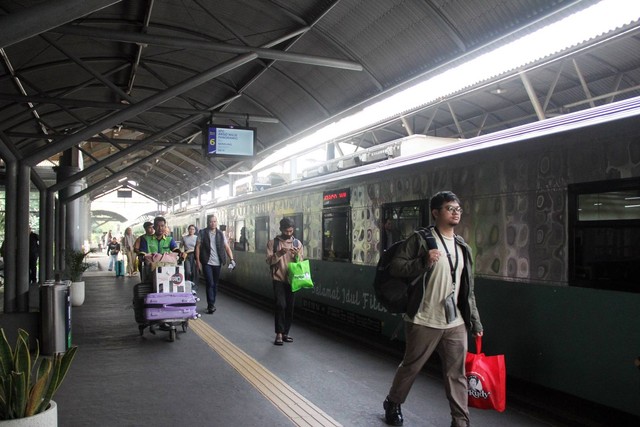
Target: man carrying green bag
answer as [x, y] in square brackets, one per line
[300, 274]
[282, 251]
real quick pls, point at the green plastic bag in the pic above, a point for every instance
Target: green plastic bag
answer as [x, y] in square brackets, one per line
[300, 275]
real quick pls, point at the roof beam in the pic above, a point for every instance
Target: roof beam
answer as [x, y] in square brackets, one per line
[81, 103]
[118, 175]
[26, 23]
[184, 43]
[532, 96]
[120, 154]
[138, 108]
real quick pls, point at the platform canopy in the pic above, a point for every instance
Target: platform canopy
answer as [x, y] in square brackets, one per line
[132, 83]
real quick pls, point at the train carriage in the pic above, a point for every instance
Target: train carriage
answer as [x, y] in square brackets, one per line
[551, 211]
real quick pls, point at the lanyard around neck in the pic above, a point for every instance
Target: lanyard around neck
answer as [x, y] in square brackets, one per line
[453, 267]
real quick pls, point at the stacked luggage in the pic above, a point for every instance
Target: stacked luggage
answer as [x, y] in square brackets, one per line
[165, 301]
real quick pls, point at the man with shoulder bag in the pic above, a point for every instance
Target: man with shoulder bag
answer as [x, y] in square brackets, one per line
[211, 253]
[282, 250]
[441, 310]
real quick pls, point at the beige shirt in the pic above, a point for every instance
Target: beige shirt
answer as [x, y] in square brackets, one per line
[279, 263]
[431, 311]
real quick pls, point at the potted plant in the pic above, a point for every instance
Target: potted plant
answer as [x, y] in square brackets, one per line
[26, 386]
[76, 265]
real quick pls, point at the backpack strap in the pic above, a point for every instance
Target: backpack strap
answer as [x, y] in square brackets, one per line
[427, 238]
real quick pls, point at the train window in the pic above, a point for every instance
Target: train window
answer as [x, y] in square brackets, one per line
[399, 221]
[262, 233]
[605, 229]
[336, 234]
[240, 242]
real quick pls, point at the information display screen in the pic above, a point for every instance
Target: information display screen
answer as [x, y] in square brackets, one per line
[229, 141]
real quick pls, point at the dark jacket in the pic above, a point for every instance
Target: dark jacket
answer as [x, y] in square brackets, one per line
[205, 246]
[411, 261]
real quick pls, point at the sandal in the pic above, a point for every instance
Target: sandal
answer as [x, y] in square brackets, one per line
[287, 338]
[278, 341]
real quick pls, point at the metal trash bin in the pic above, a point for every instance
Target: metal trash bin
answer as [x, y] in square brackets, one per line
[55, 318]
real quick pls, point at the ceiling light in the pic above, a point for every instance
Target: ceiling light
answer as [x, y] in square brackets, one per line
[567, 33]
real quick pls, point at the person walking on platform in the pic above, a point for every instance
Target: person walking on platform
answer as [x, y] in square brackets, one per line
[148, 231]
[189, 246]
[34, 253]
[282, 250]
[441, 309]
[155, 243]
[211, 254]
[128, 242]
[113, 249]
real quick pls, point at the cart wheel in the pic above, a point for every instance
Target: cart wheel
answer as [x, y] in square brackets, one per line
[172, 335]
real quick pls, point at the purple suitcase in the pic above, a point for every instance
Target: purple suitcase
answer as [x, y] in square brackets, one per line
[175, 306]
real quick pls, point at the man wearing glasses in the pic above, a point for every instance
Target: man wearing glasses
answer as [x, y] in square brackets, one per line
[441, 309]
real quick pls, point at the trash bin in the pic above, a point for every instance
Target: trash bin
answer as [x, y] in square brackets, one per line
[55, 318]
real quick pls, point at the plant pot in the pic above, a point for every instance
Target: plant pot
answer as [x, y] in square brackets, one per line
[77, 293]
[48, 418]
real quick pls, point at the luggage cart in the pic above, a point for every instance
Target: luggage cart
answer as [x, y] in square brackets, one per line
[163, 311]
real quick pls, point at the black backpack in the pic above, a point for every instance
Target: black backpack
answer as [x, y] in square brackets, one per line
[393, 292]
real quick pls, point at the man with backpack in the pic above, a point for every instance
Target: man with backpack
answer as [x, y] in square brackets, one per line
[282, 250]
[441, 309]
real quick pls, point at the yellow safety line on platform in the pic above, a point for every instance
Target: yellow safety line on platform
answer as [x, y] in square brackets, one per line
[298, 409]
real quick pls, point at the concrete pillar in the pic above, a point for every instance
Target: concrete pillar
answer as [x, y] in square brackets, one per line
[22, 238]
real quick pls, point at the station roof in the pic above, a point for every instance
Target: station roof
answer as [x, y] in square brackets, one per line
[132, 83]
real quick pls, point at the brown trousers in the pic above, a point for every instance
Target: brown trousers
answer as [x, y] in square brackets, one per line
[451, 345]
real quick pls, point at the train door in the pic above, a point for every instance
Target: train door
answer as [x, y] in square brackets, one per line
[336, 234]
[336, 225]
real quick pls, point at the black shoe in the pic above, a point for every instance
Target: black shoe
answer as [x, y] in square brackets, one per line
[392, 413]
[211, 309]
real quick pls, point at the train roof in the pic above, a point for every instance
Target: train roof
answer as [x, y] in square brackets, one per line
[553, 126]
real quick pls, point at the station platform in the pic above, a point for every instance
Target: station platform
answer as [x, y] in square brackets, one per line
[225, 371]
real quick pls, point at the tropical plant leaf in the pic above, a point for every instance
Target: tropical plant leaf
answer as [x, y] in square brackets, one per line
[20, 387]
[37, 391]
[6, 356]
[22, 367]
[61, 364]
[25, 390]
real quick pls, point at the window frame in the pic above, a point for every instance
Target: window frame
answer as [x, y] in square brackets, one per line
[389, 209]
[615, 228]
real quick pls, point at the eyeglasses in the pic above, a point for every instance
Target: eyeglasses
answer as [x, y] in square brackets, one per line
[453, 209]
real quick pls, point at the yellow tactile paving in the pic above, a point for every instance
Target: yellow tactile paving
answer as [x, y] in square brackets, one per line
[299, 410]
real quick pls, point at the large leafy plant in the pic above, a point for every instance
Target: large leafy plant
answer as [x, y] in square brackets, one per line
[26, 386]
[75, 264]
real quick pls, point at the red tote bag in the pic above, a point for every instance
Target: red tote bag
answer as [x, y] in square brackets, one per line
[486, 380]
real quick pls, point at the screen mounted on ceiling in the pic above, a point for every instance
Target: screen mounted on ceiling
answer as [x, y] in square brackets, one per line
[229, 141]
